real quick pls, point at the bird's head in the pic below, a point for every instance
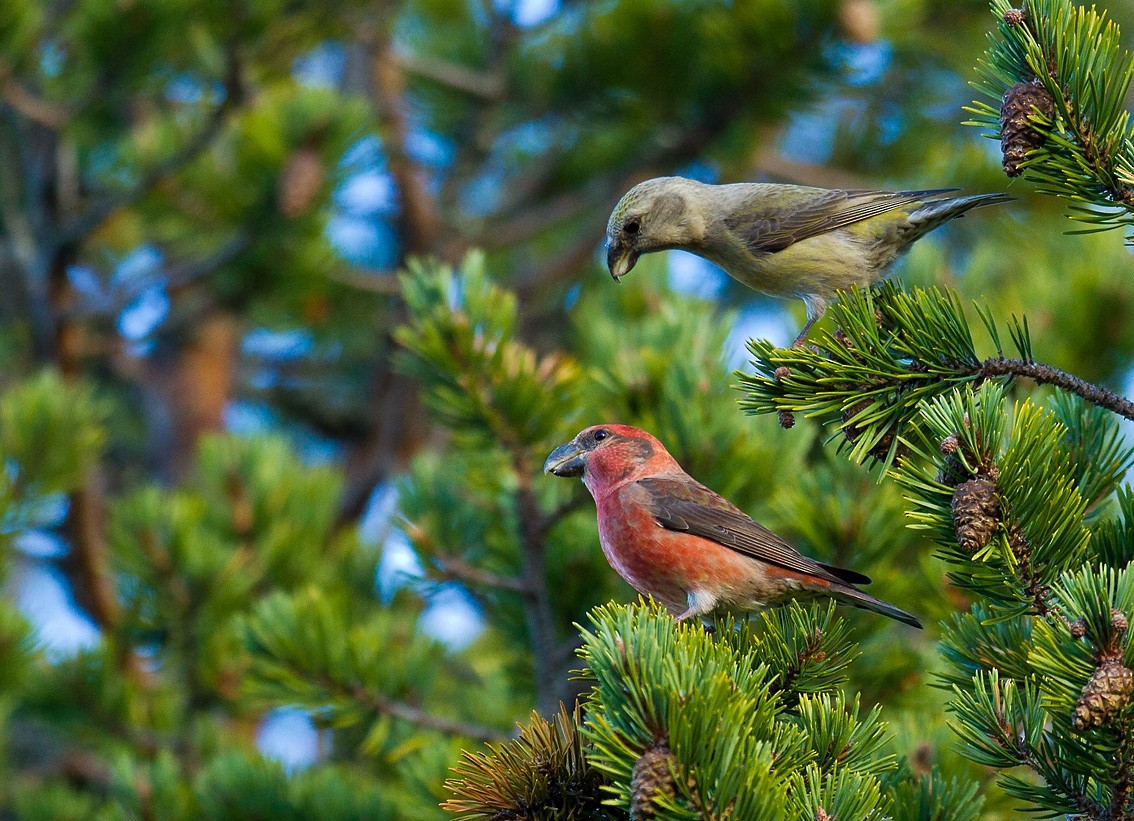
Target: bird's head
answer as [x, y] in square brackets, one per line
[607, 454]
[654, 215]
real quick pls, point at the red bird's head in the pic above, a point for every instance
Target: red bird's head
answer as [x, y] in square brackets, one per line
[607, 455]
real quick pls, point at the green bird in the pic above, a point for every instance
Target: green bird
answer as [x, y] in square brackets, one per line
[782, 240]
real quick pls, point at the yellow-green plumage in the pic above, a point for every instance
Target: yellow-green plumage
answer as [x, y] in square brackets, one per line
[783, 240]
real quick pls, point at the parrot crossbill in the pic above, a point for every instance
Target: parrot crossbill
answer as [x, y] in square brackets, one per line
[672, 538]
[782, 240]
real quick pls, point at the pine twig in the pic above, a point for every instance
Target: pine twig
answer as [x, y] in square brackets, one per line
[1120, 793]
[19, 97]
[488, 85]
[1048, 375]
[458, 569]
[1067, 63]
[421, 718]
[537, 606]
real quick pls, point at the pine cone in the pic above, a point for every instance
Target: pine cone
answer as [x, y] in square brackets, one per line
[1118, 621]
[1018, 134]
[1078, 629]
[786, 419]
[1105, 696]
[976, 513]
[653, 777]
[950, 444]
[782, 373]
[1015, 17]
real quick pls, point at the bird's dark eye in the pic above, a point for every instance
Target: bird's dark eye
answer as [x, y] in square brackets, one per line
[599, 435]
[632, 227]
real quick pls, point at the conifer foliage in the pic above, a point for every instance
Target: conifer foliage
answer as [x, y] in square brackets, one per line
[1022, 495]
[1055, 81]
[984, 488]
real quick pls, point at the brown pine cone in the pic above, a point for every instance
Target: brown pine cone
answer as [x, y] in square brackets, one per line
[1105, 695]
[652, 778]
[976, 513]
[1118, 621]
[1018, 133]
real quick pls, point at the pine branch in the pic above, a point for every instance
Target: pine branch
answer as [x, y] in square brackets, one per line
[421, 718]
[1048, 375]
[1058, 75]
[543, 773]
[1120, 792]
[892, 352]
[301, 654]
[488, 85]
[485, 384]
[673, 708]
[456, 568]
[233, 96]
[19, 97]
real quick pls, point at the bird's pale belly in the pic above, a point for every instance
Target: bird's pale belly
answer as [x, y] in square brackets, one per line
[818, 266]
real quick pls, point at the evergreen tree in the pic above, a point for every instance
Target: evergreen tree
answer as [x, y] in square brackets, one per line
[189, 156]
[1025, 501]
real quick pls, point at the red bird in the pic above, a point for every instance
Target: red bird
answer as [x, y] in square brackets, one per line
[672, 538]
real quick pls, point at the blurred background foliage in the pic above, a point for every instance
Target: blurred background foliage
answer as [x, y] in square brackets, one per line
[265, 553]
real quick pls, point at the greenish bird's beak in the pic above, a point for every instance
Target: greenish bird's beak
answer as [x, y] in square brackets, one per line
[620, 259]
[565, 460]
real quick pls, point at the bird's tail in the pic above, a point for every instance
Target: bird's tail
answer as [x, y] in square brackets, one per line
[933, 213]
[855, 597]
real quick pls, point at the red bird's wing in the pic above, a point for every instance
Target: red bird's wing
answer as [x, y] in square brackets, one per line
[687, 506]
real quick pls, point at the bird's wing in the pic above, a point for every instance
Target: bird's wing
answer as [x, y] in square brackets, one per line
[690, 507]
[812, 211]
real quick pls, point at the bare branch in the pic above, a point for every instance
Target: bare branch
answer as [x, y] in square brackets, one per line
[174, 277]
[576, 502]
[23, 100]
[541, 621]
[376, 282]
[1047, 375]
[421, 718]
[399, 428]
[418, 221]
[461, 78]
[566, 263]
[458, 569]
[532, 220]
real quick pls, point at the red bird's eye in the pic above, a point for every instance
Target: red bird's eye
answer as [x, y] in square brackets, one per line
[601, 434]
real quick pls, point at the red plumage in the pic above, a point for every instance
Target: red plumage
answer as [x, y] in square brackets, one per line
[672, 538]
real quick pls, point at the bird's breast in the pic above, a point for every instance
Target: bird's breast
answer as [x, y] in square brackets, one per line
[819, 265]
[669, 565]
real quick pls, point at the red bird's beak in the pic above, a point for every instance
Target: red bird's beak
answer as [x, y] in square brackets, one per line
[565, 460]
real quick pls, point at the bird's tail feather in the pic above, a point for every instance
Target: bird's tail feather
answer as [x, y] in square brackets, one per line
[856, 598]
[937, 212]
